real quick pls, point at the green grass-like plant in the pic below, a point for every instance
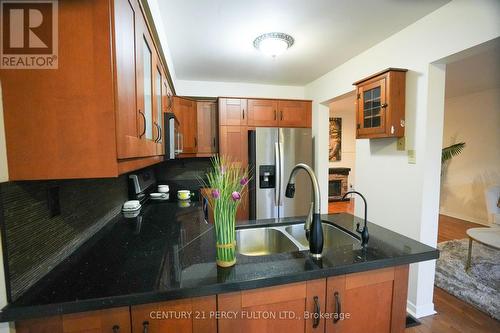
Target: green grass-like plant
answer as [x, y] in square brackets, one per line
[226, 182]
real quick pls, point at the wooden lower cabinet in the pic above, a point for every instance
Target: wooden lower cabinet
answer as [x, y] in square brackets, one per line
[372, 301]
[191, 315]
[273, 309]
[115, 320]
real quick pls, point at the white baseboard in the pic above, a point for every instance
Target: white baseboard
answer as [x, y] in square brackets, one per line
[465, 218]
[421, 310]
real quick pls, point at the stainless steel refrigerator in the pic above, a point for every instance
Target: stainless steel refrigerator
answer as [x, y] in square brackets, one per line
[273, 152]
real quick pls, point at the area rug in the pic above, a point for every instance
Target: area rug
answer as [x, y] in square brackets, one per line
[480, 286]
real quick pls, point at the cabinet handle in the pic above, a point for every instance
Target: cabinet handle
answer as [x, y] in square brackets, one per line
[214, 143]
[275, 115]
[157, 132]
[144, 130]
[243, 114]
[281, 115]
[317, 312]
[145, 326]
[338, 308]
[384, 105]
[195, 142]
[160, 138]
[116, 329]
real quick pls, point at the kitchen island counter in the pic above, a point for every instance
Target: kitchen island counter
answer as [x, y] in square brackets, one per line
[168, 252]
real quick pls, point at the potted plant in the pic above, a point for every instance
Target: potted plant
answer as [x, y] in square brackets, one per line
[226, 181]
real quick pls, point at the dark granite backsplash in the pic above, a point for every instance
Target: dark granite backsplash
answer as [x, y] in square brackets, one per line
[34, 242]
[183, 174]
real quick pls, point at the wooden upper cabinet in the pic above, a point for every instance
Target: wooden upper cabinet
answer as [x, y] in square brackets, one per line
[151, 317]
[287, 302]
[294, 113]
[381, 104]
[233, 111]
[263, 112]
[206, 112]
[185, 111]
[158, 106]
[94, 116]
[135, 76]
[146, 70]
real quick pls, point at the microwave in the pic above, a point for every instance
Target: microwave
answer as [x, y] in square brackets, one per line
[173, 138]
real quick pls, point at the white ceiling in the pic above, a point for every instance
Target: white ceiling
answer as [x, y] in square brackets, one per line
[211, 40]
[478, 72]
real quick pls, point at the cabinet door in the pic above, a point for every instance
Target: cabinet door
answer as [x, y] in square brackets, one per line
[281, 309]
[207, 127]
[158, 107]
[130, 110]
[233, 111]
[372, 108]
[185, 111]
[111, 320]
[373, 301]
[294, 113]
[262, 112]
[233, 142]
[191, 315]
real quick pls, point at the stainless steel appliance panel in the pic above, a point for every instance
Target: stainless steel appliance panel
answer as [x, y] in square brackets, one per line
[295, 147]
[266, 155]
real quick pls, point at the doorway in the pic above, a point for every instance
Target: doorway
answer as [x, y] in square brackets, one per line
[342, 152]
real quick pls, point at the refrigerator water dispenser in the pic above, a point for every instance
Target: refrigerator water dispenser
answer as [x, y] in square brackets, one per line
[267, 176]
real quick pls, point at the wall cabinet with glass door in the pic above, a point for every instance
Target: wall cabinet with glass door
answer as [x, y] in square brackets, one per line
[381, 105]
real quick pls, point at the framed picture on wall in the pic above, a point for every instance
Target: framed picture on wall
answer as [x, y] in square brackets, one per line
[335, 148]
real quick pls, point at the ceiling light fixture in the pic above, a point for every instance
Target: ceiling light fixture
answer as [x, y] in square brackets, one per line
[273, 43]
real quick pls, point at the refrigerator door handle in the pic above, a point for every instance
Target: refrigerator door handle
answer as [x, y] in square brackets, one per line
[277, 187]
[282, 174]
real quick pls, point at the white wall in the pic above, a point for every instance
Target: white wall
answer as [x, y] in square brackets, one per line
[475, 119]
[345, 108]
[236, 89]
[383, 174]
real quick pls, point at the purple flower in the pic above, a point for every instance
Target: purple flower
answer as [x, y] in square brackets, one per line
[236, 196]
[244, 181]
[215, 194]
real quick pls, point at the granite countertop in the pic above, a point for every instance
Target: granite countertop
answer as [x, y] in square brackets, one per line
[168, 252]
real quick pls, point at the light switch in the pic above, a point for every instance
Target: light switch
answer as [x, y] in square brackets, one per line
[412, 156]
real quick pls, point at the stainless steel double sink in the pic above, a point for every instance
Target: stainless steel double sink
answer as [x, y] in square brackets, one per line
[263, 241]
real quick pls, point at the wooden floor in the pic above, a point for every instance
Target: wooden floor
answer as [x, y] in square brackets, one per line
[451, 228]
[453, 315]
[341, 207]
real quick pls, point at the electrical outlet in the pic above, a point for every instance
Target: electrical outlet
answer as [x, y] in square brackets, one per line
[412, 156]
[401, 144]
[53, 201]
